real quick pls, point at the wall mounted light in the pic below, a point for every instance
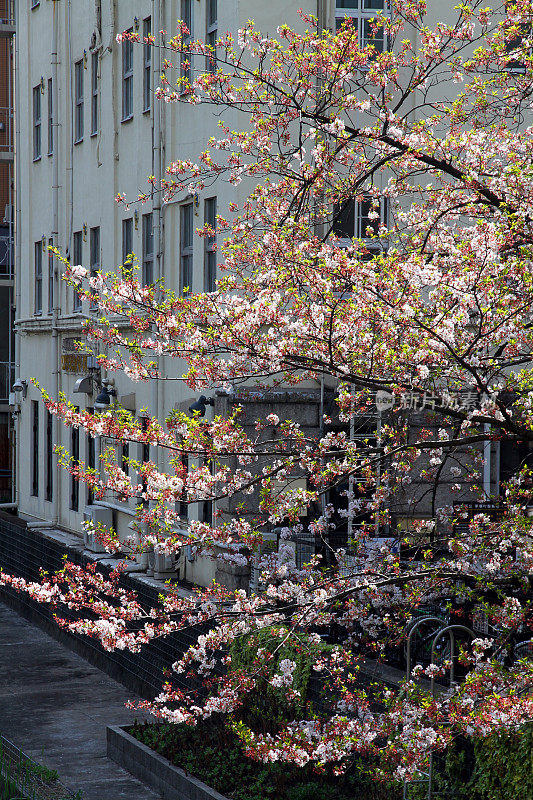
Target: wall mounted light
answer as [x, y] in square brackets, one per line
[43, 242]
[85, 59]
[21, 385]
[84, 232]
[197, 409]
[136, 219]
[135, 24]
[103, 399]
[42, 84]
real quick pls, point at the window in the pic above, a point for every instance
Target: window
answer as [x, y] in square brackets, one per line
[148, 249]
[524, 31]
[127, 79]
[210, 255]
[95, 255]
[186, 58]
[359, 13]
[127, 240]
[182, 506]
[147, 66]
[77, 260]
[94, 93]
[359, 219]
[38, 266]
[211, 33]
[50, 118]
[49, 457]
[75, 460]
[125, 457]
[35, 449]
[186, 251]
[145, 458]
[90, 450]
[36, 123]
[50, 277]
[78, 101]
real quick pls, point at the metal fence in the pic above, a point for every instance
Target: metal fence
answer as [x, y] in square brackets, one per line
[19, 772]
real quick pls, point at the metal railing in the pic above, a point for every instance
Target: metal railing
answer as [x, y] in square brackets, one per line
[7, 12]
[7, 138]
[7, 251]
[28, 777]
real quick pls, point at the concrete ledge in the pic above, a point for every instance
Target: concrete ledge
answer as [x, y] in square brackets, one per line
[157, 772]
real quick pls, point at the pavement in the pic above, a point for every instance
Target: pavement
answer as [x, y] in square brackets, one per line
[55, 707]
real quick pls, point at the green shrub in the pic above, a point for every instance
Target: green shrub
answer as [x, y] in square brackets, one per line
[214, 754]
[266, 709]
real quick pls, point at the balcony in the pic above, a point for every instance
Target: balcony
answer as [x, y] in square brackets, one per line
[7, 139]
[7, 18]
[6, 252]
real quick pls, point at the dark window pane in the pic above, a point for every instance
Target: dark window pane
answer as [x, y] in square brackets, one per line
[344, 222]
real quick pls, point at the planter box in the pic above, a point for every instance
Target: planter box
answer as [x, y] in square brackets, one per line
[171, 782]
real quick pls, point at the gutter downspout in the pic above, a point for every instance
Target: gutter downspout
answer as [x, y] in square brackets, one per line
[56, 490]
[17, 425]
[156, 113]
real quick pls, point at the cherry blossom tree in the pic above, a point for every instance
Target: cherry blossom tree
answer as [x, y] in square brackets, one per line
[430, 303]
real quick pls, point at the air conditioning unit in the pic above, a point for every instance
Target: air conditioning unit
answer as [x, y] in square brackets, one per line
[98, 515]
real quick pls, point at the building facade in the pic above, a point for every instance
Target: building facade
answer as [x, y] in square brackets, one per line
[89, 128]
[7, 221]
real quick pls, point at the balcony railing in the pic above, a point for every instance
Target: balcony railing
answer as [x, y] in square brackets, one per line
[6, 251]
[7, 13]
[7, 138]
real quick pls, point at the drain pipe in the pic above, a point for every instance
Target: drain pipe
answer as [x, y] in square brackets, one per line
[156, 112]
[56, 490]
[17, 426]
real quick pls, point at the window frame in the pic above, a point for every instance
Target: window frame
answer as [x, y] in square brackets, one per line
[147, 67]
[186, 247]
[37, 122]
[90, 457]
[77, 259]
[187, 72]
[211, 33]
[49, 496]
[95, 91]
[95, 255]
[35, 449]
[79, 87]
[210, 245]
[75, 458]
[127, 240]
[144, 458]
[38, 278]
[362, 15]
[148, 254]
[50, 118]
[50, 277]
[127, 78]
[373, 244]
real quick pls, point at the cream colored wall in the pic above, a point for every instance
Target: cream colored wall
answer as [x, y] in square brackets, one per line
[118, 159]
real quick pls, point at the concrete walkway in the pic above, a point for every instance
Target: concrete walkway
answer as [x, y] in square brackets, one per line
[55, 707]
